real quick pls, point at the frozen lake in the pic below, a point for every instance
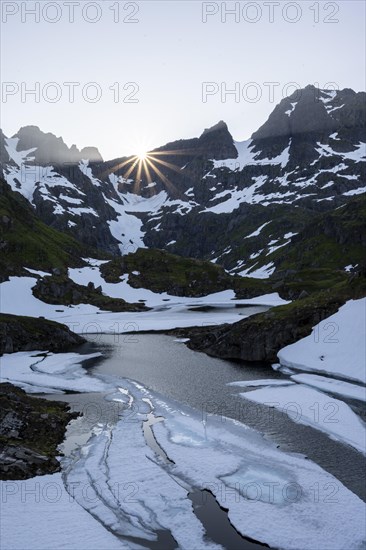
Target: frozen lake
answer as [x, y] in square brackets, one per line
[169, 451]
[168, 367]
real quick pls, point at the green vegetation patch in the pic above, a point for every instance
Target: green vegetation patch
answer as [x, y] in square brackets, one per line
[59, 289]
[160, 271]
[25, 241]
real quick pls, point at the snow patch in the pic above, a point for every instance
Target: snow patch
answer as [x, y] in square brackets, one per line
[336, 346]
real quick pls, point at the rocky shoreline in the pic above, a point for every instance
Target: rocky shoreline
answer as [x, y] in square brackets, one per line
[29, 333]
[30, 431]
[261, 336]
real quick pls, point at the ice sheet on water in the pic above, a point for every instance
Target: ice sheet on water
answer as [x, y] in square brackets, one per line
[50, 372]
[338, 387]
[317, 409]
[269, 494]
[17, 299]
[130, 492]
[264, 382]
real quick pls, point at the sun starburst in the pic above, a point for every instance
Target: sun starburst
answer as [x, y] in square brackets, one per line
[145, 165]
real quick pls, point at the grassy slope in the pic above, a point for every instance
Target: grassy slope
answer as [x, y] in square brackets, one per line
[161, 271]
[282, 219]
[330, 241]
[59, 289]
[28, 242]
[316, 258]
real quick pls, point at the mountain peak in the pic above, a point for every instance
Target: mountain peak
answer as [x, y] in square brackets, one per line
[220, 126]
[307, 110]
[51, 149]
[218, 141]
[91, 153]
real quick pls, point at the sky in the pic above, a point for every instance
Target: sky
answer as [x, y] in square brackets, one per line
[130, 76]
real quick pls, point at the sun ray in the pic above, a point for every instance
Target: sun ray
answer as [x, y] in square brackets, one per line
[131, 168]
[147, 171]
[115, 167]
[137, 184]
[144, 165]
[162, 176]
[169, 165]
[186, 152]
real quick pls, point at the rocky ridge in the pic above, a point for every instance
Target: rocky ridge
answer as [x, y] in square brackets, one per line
[204, 197]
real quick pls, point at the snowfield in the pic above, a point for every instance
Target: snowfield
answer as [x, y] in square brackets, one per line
[167, 311]
[39, 514]
[337, 345]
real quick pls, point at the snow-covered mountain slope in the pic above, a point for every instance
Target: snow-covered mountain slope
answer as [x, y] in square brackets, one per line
[205, 197]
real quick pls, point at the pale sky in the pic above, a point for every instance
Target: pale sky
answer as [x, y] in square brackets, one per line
[169, 52]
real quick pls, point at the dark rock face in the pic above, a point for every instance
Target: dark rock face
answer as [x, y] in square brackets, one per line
[217, 142]
[30, 431]
[310, 115]
[91, 153]
[314, 111]
[27, 334]
[260, 337]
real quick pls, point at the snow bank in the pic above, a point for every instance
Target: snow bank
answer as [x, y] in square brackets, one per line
[336, 346]
[38, 514]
